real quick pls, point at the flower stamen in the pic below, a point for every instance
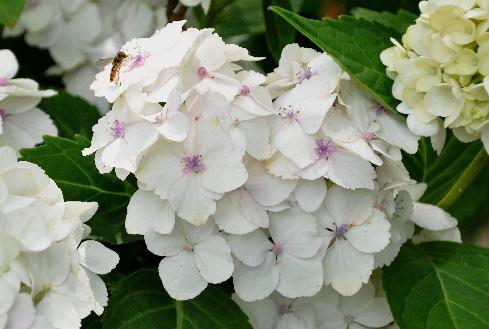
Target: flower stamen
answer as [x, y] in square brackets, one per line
[192, 164]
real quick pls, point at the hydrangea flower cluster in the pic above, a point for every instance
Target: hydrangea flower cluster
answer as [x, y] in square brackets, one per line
[56, 24]
[441, 71]
[22, 124]
[292, 183]
[48, 276]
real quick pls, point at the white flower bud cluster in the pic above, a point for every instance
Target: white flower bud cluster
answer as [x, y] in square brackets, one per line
[48, 276]
[286, 183]
[441, 70]
[78, 33]
[22, 124]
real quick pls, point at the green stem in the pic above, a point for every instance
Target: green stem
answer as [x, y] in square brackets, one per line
[464, 181]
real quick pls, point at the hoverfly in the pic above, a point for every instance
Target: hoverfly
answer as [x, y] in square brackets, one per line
[116, 64]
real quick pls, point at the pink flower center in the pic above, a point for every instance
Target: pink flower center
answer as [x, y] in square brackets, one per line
[245, 90]
[324, 147]
[192, 164]
[118, 129]
[161, 117]
[379, 109]
[379, 206]
[305, 75]
[348, 318]
[277, 249]
[3, 82]
[3, 114]
[188, 247]
[203, 72]
[139, 60]
[284, 309]
[369, 135]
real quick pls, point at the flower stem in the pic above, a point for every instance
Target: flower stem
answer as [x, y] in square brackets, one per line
[464, 181]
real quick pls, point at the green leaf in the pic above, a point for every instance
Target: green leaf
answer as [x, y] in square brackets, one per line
[80, 180]
[71, 114]
[142, 302]
[279, 33]
[240, 18]
[398, 22]
[449, 175]
[439, 285]
[10, 11]
[355, 44]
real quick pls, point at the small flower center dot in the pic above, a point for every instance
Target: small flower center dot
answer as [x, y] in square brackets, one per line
[341, 230]
[118, 129]
[305, 75]
[203, 72]
[277, 249]
[139, 60]
[379, 109]
[348, 318]
[188, 247]
[379, 206]
[369, 135]
[284, 309]
[245, 90]
[3, 82]
[192, 164]
[3, 114]
[288, 113]
[324, 147]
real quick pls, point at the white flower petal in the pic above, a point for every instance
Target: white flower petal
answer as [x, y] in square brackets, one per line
[181, 277]
[96, 257]
[310, 194]
[346, 268]
[213, 259]
[254, 283]
[146, 211]
[432, 217]
[251, 249]
[299, 277]
[372, 235]
[168, 244]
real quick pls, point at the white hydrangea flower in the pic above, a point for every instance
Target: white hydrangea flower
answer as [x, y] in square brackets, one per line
[120, 139]
[361, 311]
[298, 64]
[48, 276]
[352, 230]
[194, 257]
[22, 124]
[440, 71]
[265, 266]
[300, 114]
[276, 312]
[244, 210]
[192, 175]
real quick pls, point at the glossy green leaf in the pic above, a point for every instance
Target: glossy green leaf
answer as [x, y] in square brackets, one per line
[399, 22]
[451, 174]
[355, 44]
[10, 11]
[279, 33]
[141, 302]
[439, 285]
[71, 114]
[80, 180]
